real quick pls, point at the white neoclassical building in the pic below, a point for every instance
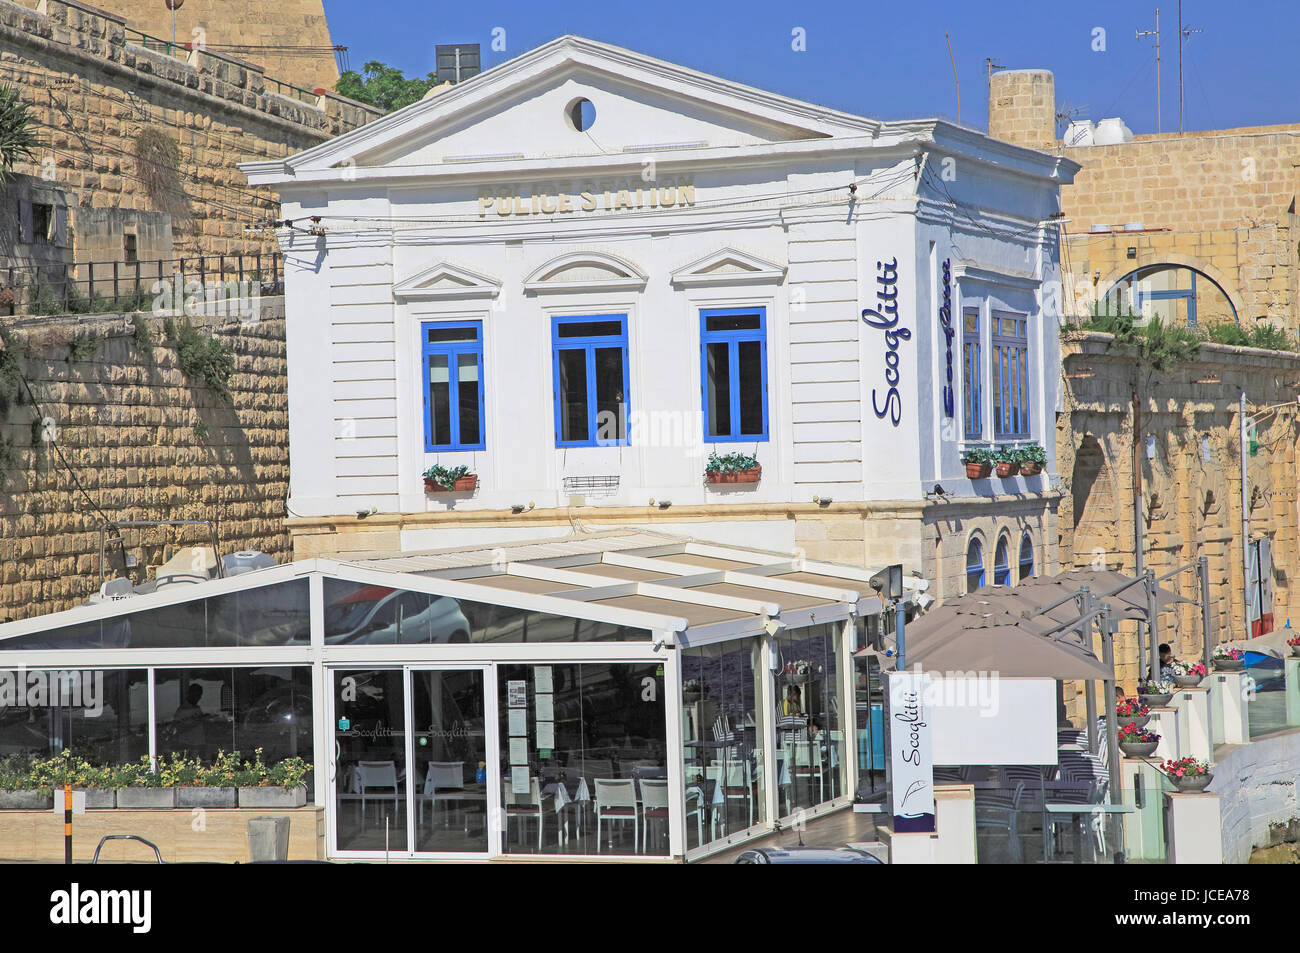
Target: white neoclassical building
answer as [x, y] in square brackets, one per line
[583, 272]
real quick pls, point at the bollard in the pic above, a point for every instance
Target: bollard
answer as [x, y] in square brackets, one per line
[268, 839]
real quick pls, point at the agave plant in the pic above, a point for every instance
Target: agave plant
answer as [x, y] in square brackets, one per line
[17, 130]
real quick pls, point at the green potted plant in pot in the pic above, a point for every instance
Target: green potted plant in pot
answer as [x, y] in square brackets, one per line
[440, 479]
[1187, 674]
[18, 790]
[1295, 644]
[1188, 774]
[1228, 659]
[1032, 458]
[1131, 713]
[732, 468]
[144, 788]
[1137, 742]
[280, 786]
[979, 463]
[205, 787]
[1155, 693]
[1008, 459]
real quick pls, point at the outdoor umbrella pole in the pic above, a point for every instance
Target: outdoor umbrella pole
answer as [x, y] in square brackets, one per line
[1112, 736]
[1089, 698]
[1151, 625]
[1203, 571]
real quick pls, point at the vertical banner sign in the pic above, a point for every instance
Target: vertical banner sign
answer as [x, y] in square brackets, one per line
[884, 318]
[945, 323]
[911, 775]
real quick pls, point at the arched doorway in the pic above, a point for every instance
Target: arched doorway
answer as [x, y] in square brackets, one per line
[1180, 296]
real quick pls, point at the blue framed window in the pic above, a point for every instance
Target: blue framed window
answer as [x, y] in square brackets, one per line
[733, 373]
[972, 375]
[1026, 557]
[452, 357]
[591, 380]
[974, 566]
[1001, 565]
[1010, 375]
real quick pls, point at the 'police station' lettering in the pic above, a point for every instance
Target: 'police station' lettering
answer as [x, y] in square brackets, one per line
[885, 318]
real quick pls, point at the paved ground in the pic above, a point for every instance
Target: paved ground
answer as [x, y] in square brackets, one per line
[834, 830]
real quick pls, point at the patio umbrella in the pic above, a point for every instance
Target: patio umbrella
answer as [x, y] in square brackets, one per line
[1130, 604]
[1273, 644]
[1010, 648]
[1017, 602]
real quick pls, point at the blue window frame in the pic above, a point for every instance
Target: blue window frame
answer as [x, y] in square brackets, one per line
[733, 373]
[1010, 375]
[589, 362]
[452, 358]
[974, 566]
[1001, 564]
[972, 375]
[1026, 557]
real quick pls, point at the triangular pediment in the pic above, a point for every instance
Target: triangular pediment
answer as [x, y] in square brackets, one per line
[445, 280]
[585, 271]
[729, 266]
[522, 109]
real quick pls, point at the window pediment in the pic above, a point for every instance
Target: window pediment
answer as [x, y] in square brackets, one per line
[586, 271]
[445, 280]
[729, 266]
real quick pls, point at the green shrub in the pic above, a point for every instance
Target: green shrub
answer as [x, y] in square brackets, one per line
[144, 336]
[201, 357]
[445, 476]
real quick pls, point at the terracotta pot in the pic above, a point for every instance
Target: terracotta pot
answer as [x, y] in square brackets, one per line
[739, 476]
[1031, 469]
[463, 484]
[1006, 469]
[978, 471]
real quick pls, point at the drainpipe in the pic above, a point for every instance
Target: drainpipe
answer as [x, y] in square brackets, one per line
[1245, 525]
[1139, 540]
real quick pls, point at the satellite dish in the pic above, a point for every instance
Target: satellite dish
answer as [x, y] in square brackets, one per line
[174, 5]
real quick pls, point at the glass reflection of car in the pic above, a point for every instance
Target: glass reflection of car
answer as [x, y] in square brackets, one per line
[377, 614]
[806, 855]
[1267, 672]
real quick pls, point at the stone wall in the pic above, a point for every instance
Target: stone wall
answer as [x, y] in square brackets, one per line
[1256, 784]
[134, 439]
[1191, 506]
[93, 90]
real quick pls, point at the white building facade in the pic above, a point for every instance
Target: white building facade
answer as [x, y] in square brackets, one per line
[584, 271]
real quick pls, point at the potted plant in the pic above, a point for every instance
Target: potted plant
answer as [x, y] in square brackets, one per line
[1008, 459]
[979, 463]
[17, 790]
[144, 788]
[440, 479]
[199, 786]
[1295, 645]
[1228, 659]
[1155, 693]
[1032, 459]
[1187, 674]
[692, 691]
[1132, 713]
[98, 783]
[798, 672]
[1188, 774]
[732, 468]
[1136, 742]
[282, 786]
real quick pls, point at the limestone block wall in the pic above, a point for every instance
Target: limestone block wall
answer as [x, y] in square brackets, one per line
[1256, 784]
[134, 439]
[93, 90]
[1191, 506]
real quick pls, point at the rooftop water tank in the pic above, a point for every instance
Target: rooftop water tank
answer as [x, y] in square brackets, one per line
[1111, 132]
[236, 564]
[1080, 133]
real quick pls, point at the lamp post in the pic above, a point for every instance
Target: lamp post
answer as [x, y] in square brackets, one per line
[173, 6]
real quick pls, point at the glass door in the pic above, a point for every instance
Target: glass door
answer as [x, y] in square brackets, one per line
[411, 766]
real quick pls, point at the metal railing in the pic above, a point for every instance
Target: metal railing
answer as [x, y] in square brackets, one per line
[182, 51]
[115, 285]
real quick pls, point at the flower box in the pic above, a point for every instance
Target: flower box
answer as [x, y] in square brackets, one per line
[99, 799]
[465, 484]
[207, 797]
[1030, 469]
[1008, 468]
[146, 798]
[273, 797]
[1138, 749]
[978, 471]
[750, 475]
[27, 800]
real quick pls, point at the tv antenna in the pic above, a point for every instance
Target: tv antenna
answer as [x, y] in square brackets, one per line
[1156, 34]
[992, 66]
[1068, 114]
[955, 80]
[1183, 34]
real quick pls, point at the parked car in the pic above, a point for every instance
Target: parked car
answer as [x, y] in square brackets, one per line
[806, 855]
[377, 615]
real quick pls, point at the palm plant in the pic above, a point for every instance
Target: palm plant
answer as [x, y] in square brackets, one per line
[17, 130]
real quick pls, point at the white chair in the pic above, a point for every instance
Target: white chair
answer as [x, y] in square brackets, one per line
[808, 764]
[522, 807]
[695, 797]
[442, 776]
[616, 801]
[1002, 813]
[376, 775]
[654, 807]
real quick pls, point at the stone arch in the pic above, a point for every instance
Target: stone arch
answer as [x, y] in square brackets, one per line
[977, 538]
[1150, 259]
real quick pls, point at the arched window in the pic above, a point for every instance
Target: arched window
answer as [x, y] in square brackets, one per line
[1026, 557]
[1001, 565]
[1178, 296]
[974, 565]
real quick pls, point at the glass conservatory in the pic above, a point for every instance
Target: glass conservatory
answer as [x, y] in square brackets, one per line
[624, 693]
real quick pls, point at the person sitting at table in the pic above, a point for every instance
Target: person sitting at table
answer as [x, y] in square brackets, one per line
[814, 729]
[793, 702]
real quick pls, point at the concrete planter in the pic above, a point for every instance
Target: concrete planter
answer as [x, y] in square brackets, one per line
[270, 797]
[1228, 664]
[207, 797]
[1141, 721]
[1156, 701]
[1187, 681]
[1192, 785]
[31, 800]
[99, 799]
[1138, 749]
[160, 798]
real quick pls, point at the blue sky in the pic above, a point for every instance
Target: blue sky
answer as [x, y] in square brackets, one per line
[1242, 71]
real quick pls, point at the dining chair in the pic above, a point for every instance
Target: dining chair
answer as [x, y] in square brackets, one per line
[521, 807]
[376, 775]
[1002, 813]
[441, 776]
[616, 801]
[695, 797]
[654, 807]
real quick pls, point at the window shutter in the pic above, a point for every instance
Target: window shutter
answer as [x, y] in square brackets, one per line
[25, 221]
[61, 226]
